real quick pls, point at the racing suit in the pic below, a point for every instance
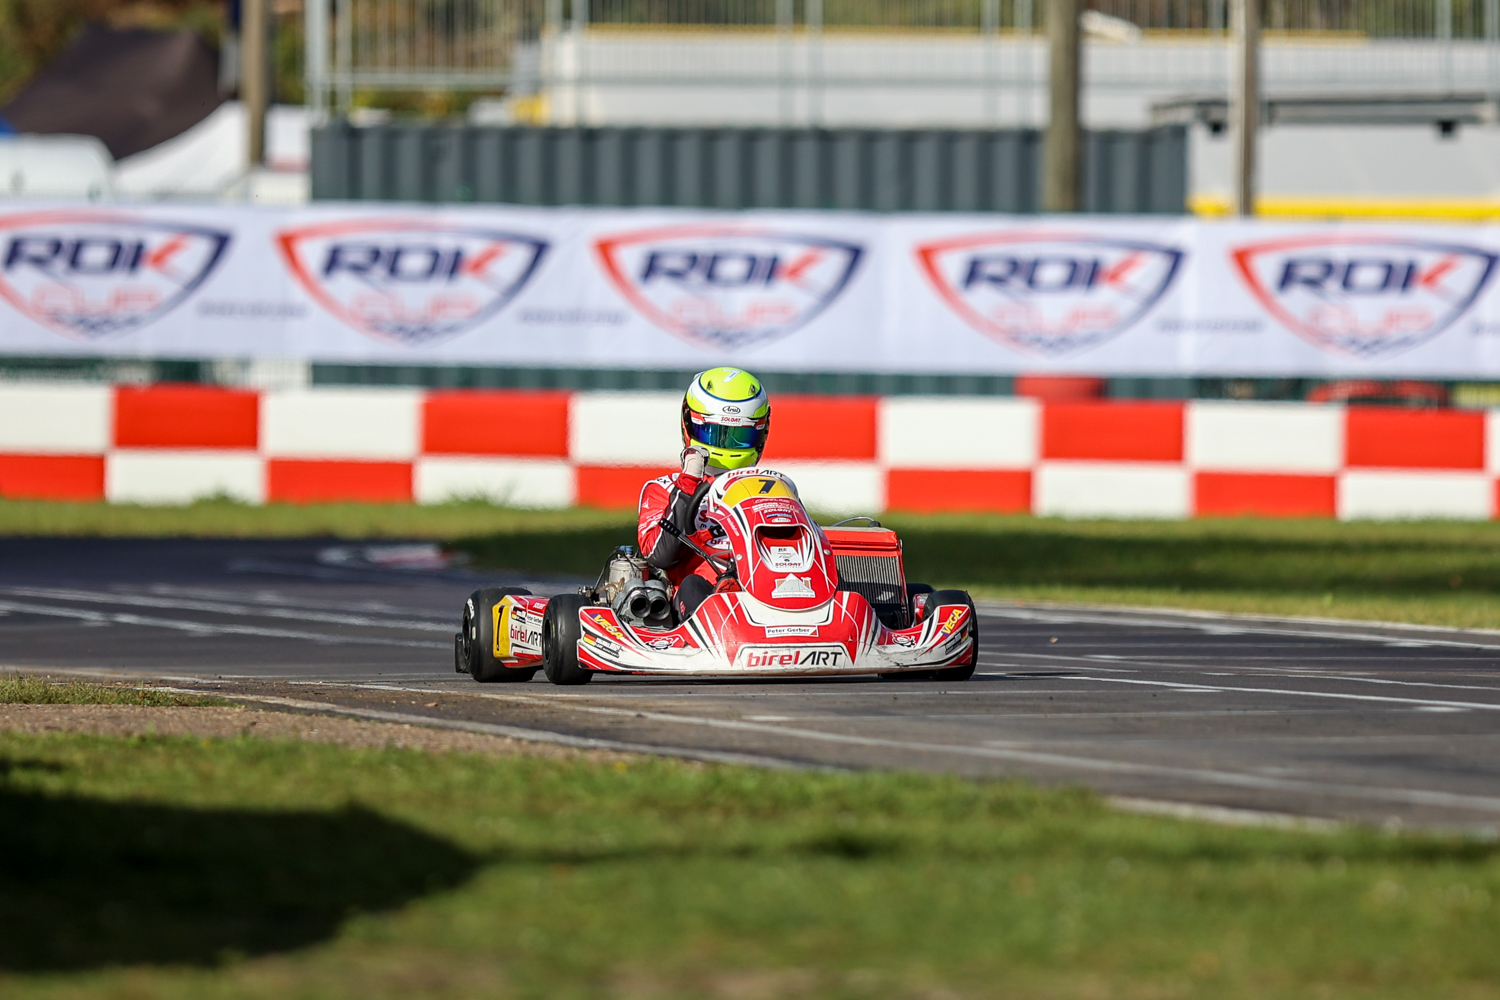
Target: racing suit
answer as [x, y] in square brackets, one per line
[679, 496]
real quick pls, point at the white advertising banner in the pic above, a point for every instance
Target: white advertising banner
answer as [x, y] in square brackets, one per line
[782, 291]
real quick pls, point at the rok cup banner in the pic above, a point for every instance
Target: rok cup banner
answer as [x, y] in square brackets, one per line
[968, 294]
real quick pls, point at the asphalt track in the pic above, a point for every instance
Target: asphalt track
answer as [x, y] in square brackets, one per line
[1391, 725]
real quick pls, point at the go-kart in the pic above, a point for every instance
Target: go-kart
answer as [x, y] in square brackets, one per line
[792, 598]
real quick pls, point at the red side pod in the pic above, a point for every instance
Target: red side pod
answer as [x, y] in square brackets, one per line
[867, 543]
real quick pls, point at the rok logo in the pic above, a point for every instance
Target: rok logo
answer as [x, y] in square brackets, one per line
[1361, 296]
[1049, 294]
[727, 287]
[89, 275]
[410, 282]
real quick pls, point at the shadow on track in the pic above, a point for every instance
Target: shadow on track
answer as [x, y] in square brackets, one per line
[87, 883]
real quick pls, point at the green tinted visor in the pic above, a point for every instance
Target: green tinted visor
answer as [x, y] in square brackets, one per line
[731, 438]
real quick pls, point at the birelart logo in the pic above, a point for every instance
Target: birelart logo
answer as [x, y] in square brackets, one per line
[1049, 293]
[410, 281]
[730, 287]
[1364, 296]
[89, 274]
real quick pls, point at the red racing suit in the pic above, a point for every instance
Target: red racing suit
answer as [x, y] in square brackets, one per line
[678, 496]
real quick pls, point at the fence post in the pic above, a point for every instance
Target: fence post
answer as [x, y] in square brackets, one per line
[253, 77]
[549, 52]
[343, 56]
[580, 59]
[1444, 31]
[1492, 46]
[1025, 17]
[989, 40]
[814, 26]
[1060, 187]
[1244, 102]
[315, 56]
[785, 23]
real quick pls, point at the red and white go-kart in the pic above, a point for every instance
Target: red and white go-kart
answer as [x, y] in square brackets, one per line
[793, 599]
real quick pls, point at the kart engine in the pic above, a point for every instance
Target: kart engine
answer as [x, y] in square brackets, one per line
[633, 593]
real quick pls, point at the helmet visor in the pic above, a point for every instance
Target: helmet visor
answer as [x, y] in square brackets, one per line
[739, 438]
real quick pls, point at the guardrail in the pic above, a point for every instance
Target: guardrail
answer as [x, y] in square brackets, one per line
[172, 443]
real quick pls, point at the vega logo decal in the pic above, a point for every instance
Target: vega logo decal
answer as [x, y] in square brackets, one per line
[410, 282]
[1364, 296]
[1049, 293]
[728, 287]
[90, 275]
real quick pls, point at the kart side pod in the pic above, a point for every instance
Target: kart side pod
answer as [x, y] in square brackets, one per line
[869, 563]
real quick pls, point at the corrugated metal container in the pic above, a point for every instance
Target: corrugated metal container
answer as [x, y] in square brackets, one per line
[872, 170]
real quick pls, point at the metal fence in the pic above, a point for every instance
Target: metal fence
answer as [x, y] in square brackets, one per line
[875, 62]
[999, 170]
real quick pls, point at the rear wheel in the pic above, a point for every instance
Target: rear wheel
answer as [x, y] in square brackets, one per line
[560, 634]
[476, 643]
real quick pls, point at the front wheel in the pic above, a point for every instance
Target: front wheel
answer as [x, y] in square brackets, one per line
[936, 599]
[475, 645]
[966, 671]
[560, 634]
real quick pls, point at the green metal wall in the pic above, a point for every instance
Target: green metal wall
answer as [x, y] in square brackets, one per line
[854, 169]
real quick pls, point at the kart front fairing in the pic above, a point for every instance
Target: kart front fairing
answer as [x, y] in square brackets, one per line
[734, 634]
[784, 613]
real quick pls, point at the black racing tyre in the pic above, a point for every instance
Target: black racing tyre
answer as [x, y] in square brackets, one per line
[941, 597]
[561, 631]
[477, 640]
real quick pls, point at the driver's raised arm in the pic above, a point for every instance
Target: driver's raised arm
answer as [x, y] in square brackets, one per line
[675, 497]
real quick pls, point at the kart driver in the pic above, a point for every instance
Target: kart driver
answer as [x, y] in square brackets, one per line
[726, 416]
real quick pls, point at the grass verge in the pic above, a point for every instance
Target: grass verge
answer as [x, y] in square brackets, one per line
[1435, 573]
[222, 518]
[23, 689]
[166, 868]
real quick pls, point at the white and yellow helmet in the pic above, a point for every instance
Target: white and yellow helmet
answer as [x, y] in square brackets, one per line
[727, 412]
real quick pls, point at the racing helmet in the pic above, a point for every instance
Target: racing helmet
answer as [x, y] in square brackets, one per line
[727, 412]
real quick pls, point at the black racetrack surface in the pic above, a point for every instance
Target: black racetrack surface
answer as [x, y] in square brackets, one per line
[1380, 724]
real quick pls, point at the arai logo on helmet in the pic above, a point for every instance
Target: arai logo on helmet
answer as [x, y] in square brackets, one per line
[1049, 293]
[410, 281]
[724, 286]
[1364, 296]
[92, 274]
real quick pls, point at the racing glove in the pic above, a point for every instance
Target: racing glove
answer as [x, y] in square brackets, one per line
[694, 464]
[682, 509]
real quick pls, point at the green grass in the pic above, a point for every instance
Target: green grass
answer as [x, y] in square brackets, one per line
[228, 519]
[168, 868]
[1436, 573]
[21, 689]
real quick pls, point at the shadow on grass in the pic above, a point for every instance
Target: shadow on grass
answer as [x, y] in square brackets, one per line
[86, 883]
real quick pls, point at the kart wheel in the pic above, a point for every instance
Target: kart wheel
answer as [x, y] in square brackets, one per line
[560, 634]
[966, 671]
[477, 640]
[963, 673]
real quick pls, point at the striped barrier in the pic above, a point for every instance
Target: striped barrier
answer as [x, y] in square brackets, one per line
[167, 444]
